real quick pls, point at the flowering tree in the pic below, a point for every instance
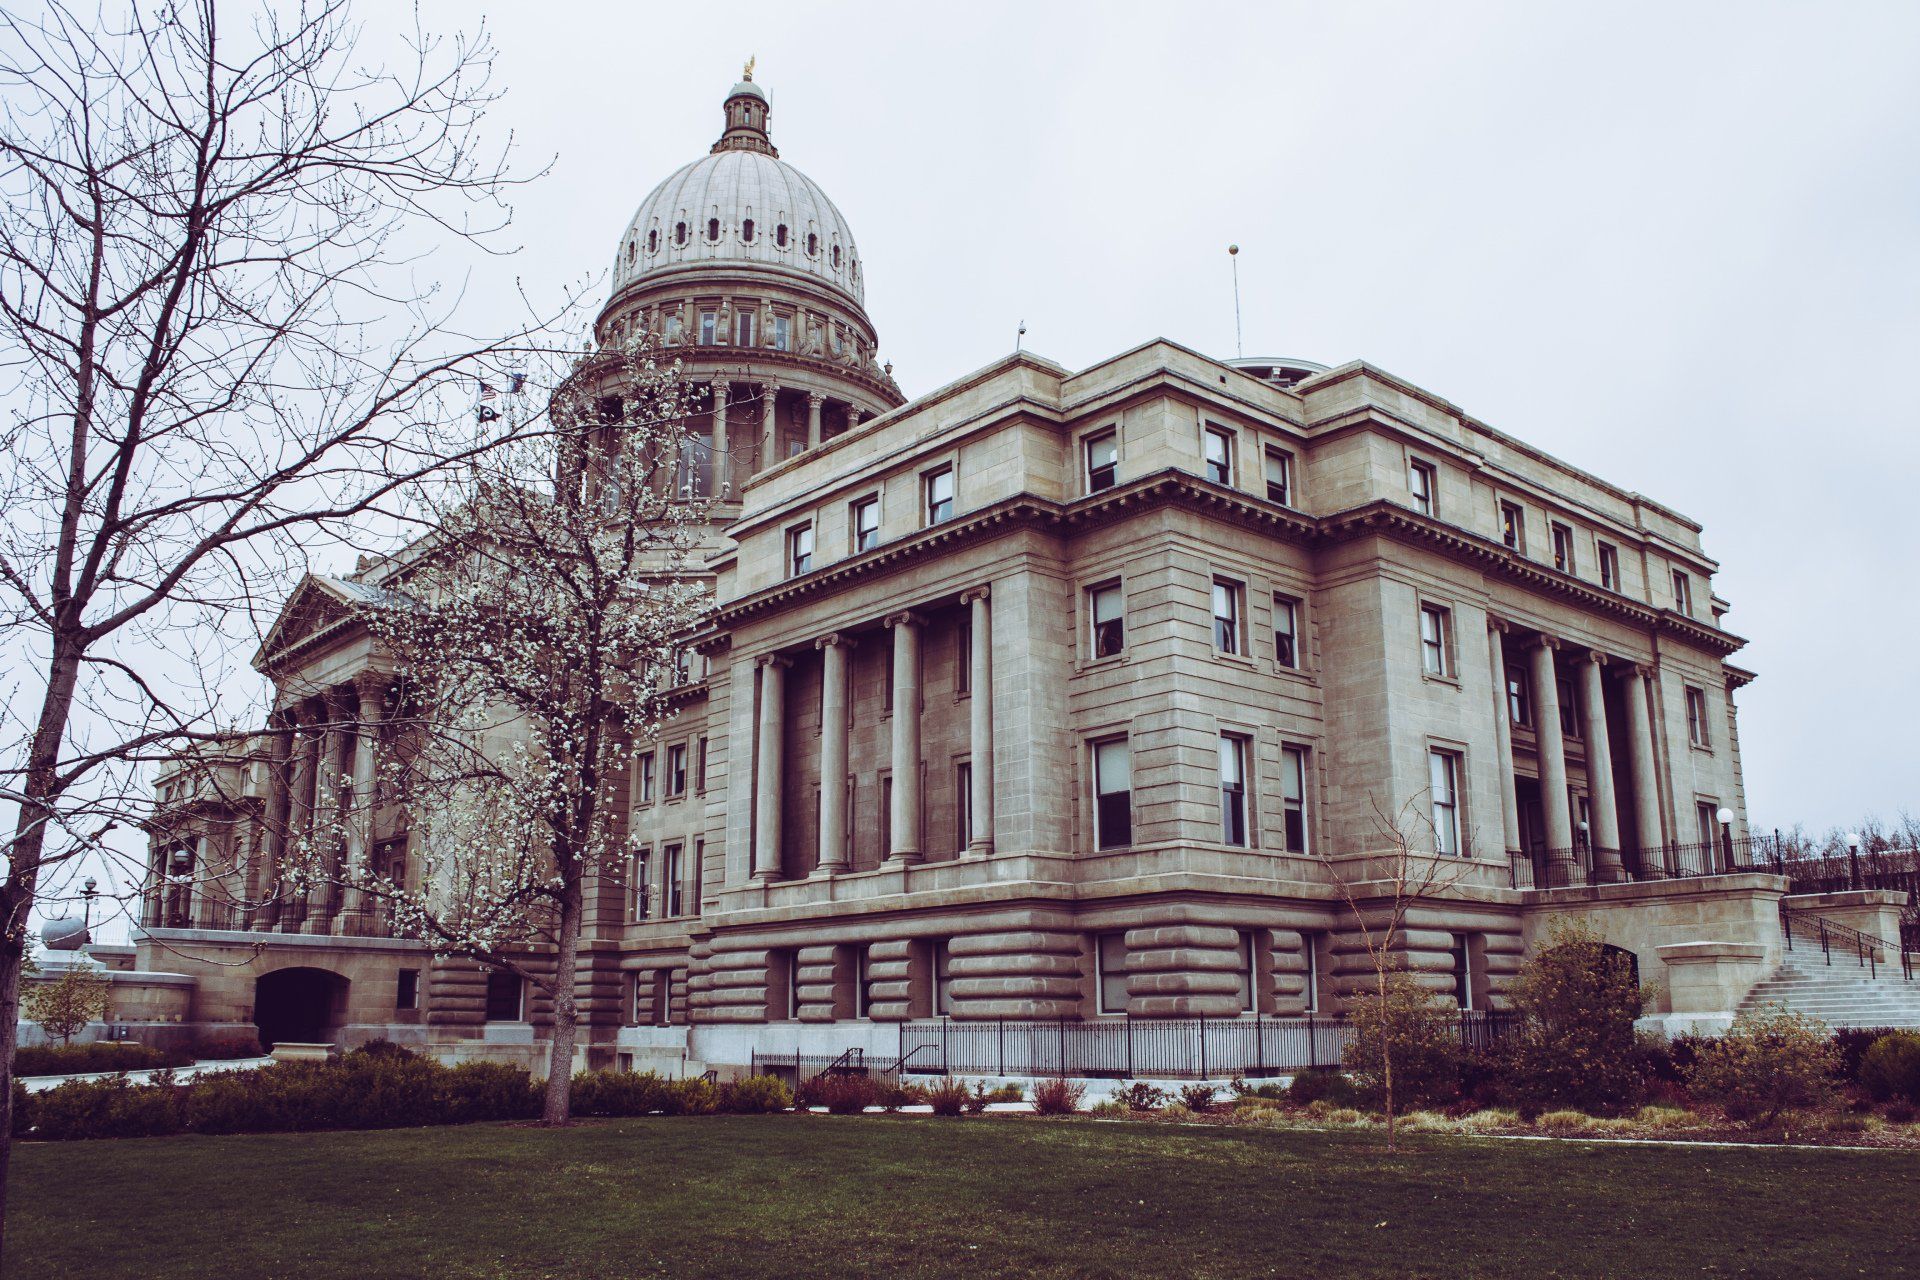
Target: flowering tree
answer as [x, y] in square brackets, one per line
[539, 631]
[218, 343]
[66, 1004]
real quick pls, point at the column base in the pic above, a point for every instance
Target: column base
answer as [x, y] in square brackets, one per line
[1609, 871]
[905, 858]
[980, 849]
[827, 870]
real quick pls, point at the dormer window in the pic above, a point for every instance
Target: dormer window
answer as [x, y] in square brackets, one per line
[746, 231]
[630, 252]
[813, 245]
[780, 235]
[713, 229]
[680, 233]
[836, 257]
[653, 240]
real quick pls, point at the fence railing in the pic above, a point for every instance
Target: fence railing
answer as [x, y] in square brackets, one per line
[1839, 943]
[1149, 1048]
[798, 1068]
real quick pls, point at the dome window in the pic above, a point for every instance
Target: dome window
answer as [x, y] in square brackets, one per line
[680, 233]
[746, 230]
[630, 250]
[713, 230]
[653, 241]
[813, 245]
[836, 257]
[780, 235]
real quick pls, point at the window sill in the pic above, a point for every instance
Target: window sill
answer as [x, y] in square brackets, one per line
[1431, 678]
[1704, 748]
[1236, 659]
[1095, 664]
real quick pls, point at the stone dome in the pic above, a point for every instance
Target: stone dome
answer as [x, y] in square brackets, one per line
[741, 204]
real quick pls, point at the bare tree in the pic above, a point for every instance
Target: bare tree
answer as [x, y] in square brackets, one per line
[216, 347]
[1380, 889]
[539, 632]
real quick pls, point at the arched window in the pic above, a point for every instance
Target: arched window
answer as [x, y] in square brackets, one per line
[780, 235]
[813, 245]
[746, 231]
[680, 233]
[713, 229]
[630, 248]
[836, 257]
[653, 240]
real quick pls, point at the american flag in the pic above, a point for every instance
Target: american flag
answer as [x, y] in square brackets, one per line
[485, 410]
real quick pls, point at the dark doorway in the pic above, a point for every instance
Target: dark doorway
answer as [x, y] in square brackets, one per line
[299, 1006]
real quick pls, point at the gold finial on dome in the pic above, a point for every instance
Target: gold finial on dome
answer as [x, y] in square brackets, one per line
[747, 72]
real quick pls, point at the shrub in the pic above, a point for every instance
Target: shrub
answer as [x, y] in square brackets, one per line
[1769, 1060]
[841, 1093]
[237, 1044]
[109, 1108]
[1057, 1097]
[619, 1093]
[81, 1059]
[1406, 1026]
[1001, 1093]
[949, 1098]
[1902, 1112]
[892, 1096]
[1320, 1083]
[487, 1091]
[1890, 1068]
[1109, 1109]
[1200, 1099]
[1141, 1096]
[1852, 1043]
[1575, 1046]
[693, 1096]
[1272, 1089]
[755, 1096]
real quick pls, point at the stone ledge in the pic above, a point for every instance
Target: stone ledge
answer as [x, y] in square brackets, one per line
[288, 941]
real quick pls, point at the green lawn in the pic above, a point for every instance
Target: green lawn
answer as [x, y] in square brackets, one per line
[804, 1196]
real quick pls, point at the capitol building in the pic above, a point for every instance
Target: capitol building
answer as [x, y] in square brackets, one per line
[1068, 697]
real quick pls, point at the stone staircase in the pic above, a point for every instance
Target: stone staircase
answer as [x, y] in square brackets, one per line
[1841, 994]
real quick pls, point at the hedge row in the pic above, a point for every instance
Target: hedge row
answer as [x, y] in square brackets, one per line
[106, 1055]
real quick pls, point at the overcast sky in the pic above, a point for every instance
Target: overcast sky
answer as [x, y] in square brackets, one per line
[1678, 245]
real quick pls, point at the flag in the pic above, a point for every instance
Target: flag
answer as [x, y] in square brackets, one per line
[486, 412]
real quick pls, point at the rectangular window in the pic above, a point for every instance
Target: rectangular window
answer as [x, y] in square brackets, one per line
[639, 886]
[963, 805]
[677, 769]
[1293, 798]
[700, 765]
[699, 869]
[1683, 592]
[1609, 566]
[963, 651]
[1103, 461]
[1436, 640]
[1246, 973]
[1106, 607]
[1112, 795]
[1227, 635]
[1706, 815]
[643, 787]
[1519, 698]
[1110, 961]
[865, 522]
[709, 328]
[1286, 631]
[1310, 957]
[1217, 447]
[799, 550]
[671, 890]
[1569, 707]
[662, 997]
[862, 1000]
[1697, 717]
[886, 818]
[1279, 476]
[1563, 548]
[505, 996]
[406, 989]
[743, 328]
[1462, 972]
[1423, 484]
[1513, 527]
[1443, 785]
[942, 975]
[1582, 820]
[1233, 789]
[886, 676]
[939, 492]
[782, 332]
[783, 986]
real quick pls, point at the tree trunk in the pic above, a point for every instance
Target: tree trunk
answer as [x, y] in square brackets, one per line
[558, 1104]
[23, 879]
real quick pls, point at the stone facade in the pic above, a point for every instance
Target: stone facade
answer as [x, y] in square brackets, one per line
[1060, 694]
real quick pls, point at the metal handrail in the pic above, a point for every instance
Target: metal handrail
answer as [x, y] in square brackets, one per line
[848, 1062]
[1866, 947]
[901, 1062]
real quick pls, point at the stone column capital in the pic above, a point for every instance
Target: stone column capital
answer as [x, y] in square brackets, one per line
[815, 399]
[1499, 626]
[1633, 671]
[981, 592]
[835, 639]
[777, 661]
[1598, 658]
[1544, 641]
[905, 618]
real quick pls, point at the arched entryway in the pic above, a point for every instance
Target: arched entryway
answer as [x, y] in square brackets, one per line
[299, 1006]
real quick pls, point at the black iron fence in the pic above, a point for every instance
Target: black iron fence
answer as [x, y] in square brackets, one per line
[797, 1068]
[1148, 1048]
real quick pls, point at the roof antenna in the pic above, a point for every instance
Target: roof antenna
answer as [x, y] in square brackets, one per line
[1019, 337]
[1233, 256]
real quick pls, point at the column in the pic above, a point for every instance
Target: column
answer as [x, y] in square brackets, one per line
[769, 400]
[768, 790]
[906, 735]
[720, 468]
[1641, 772]
[1503, 736]
[324, 846]
[814, 401]
[273, 840]
[833, 753]
[298, 841]
[980, 722]
[357, 913]
[1607, 866]
[853, 417]
[1552, 750]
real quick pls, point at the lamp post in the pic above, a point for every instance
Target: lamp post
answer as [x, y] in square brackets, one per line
[1725, 818]
[88, 892]
[1853, 859]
